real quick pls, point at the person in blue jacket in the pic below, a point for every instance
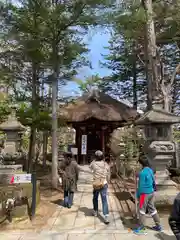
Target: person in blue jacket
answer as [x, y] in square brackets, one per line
[145, 195]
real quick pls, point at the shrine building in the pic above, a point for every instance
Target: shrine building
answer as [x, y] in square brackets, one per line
[95, 116]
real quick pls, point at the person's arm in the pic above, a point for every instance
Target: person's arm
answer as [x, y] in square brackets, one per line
[108, 173]
[91, 166]
[61, 168]
[76, 170]
[81, 169]
[140, 184]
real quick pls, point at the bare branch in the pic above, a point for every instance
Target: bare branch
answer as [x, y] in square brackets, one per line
[141, 60]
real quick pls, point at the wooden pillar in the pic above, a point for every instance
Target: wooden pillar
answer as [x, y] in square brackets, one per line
[103, 139]
[104, 142]
[78, 144]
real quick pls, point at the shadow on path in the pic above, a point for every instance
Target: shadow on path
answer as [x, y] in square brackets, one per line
[59, 202]
[89, 213]
[164, 236]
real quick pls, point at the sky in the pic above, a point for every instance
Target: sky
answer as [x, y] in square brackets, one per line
[96, 44]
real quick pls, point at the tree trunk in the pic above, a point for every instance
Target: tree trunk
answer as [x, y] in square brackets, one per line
[45, 142]
[45, 133]
[54, 131]
[148, 80]
[167, 103]
[174, 95]
[32, 144]
[135, 98]
[152, 61]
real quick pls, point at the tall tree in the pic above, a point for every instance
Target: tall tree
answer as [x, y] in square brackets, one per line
[129, 30]
[126, 58]
[48, 36]
[66, 22]
[161, 80]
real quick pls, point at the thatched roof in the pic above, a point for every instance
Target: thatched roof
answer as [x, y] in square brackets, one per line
[157, 116]
[99, 106]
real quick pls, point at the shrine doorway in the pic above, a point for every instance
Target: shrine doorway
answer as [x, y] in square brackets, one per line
[94, 141]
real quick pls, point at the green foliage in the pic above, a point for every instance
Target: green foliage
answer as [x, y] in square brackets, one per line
[41, 37]
[126, 54]
[4, 107]
[176, 135]
[42, 121]
[127, 58]
[89, 83]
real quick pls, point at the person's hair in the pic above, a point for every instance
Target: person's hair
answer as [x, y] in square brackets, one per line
[144, 162]
[107, 159]
[68, 154]
[99, 158]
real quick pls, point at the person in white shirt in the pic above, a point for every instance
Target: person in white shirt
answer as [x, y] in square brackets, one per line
[101, 177]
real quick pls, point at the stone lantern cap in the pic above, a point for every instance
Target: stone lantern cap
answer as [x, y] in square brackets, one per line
[157, 116]
[12, 124]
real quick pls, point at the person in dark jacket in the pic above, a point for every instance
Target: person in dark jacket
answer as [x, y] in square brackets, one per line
[174, 218]
[69, 171]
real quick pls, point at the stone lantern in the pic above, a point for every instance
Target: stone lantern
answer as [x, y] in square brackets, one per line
[13, 130]
[160, 149]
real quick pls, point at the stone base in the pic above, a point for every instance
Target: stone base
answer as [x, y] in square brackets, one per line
[165, 197]
[166, 189]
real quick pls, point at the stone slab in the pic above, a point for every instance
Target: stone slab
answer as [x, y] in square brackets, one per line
[84, 223]
[51, 236]
[91, 236]
[65, 220]
[10, 236]
[165, 235]
[99, 224]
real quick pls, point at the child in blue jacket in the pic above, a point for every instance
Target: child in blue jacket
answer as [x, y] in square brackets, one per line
[145, 195]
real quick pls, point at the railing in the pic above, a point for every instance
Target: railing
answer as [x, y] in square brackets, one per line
[126, 188]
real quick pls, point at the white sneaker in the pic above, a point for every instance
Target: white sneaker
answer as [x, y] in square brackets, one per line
[106, 219]
[95, 213]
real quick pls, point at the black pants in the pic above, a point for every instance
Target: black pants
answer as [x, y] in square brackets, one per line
[175, 227]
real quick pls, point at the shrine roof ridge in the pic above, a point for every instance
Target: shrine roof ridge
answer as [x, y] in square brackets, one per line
[100, 106]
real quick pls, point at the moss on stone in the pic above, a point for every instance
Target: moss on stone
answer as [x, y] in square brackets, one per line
[7, 192]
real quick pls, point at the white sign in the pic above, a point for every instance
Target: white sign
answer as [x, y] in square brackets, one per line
[84, 145]
[21, 178]
[74, 151]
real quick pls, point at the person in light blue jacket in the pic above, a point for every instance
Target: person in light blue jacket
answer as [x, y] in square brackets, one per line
[145, 195]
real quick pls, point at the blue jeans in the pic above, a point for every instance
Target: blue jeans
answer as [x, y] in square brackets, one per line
[103, 193]
[68, 198]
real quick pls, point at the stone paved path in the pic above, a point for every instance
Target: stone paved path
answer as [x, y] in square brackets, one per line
[78, 222]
